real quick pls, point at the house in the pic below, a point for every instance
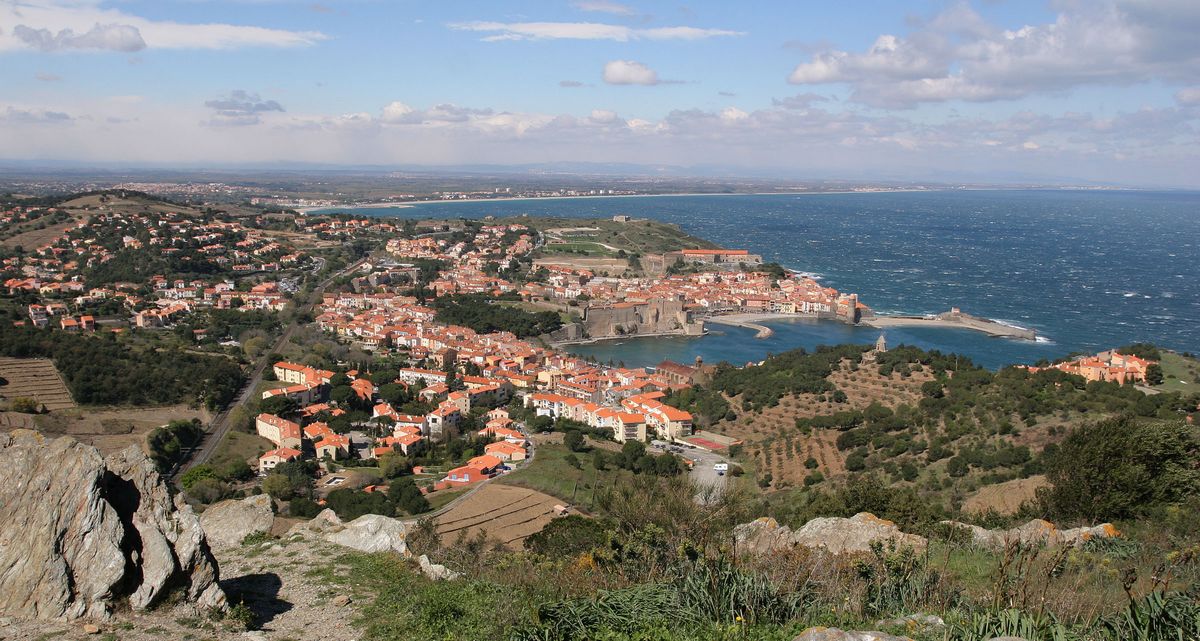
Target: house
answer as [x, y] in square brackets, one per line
[269, 460]
[505, 451]
[281, 432]
[334, 446]
[476, 469]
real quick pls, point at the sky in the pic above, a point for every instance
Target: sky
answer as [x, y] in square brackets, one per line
[993, 90]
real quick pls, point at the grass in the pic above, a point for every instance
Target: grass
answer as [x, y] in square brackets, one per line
[551, 473]
[1180, 374]
[438, 500]
[579, 247]
[239, 446]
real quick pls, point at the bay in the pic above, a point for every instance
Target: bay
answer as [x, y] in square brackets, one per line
[1088, 270]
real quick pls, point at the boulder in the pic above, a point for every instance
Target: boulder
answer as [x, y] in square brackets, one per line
[80, 533]
[855, 534]
[1035, 532]
[833, 534]
[229, 522]
[834, 634]
[371, 533]
[367, 533]
[436, 571]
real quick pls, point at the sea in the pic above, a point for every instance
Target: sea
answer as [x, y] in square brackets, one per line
[1088, 270]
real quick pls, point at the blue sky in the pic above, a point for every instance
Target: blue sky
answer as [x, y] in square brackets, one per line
[1104, 90]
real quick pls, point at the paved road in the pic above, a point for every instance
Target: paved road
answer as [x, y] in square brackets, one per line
[703, 476]
[224, 419]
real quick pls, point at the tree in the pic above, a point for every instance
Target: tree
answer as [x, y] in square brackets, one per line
[666, 465]
[278, 486]
[573, 439]
[1120, 468]
[599, 460]
[349, 504]
[190, 477]
[573, 461]
[304, 507]
[631, 451]
[570, 536]
[208, 490]
[1154, 374]
[406, 496]
[237, 470]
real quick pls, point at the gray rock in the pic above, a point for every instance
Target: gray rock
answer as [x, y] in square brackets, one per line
[834, 634]
[832, 534]
[79, 533]
[227, 523]
[326, 521]
[1035, 532]
[371, 533]
[436, 571]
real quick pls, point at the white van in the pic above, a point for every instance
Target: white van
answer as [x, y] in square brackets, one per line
[721, 467]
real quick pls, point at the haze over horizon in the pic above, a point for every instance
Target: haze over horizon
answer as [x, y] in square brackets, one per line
[1087, 91]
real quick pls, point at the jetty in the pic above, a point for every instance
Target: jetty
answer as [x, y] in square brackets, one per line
[953, 318]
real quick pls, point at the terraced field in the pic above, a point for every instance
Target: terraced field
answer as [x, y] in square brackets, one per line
[776, 447]
[505, 513]
[34, 378]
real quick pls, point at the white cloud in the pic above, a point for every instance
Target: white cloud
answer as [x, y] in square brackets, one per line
[603, 6]
[108, 37]
[629, 72]
[1188, 96]
[57, 25]
[584, 31]
[959, 56]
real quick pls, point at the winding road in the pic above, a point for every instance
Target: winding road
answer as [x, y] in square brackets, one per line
[221, 423]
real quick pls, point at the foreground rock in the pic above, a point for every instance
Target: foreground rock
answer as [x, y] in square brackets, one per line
[435, 571]
[833, 534]
[367, 533]
[1035, 532]
[834, 634]
[79, 533]
[228, 523]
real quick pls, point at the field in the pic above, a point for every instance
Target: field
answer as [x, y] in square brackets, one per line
[110, 430]
[239, 446]
[551, 473]
[29, 237]
[577, 247]
[774, 445]
[34, 378]
[611, 266]
[635, 237]
[502, 513]
[1180, 374]
[1004, 498]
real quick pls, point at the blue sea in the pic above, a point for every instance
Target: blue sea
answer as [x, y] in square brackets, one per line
[1088, 270]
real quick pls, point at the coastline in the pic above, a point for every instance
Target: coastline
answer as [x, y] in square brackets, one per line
[412, 203]
[752, 320]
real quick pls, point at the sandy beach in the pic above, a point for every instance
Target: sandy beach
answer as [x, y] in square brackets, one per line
[752, 320]
[410, 203]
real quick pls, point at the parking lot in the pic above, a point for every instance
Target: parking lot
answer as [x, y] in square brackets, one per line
[702, 475]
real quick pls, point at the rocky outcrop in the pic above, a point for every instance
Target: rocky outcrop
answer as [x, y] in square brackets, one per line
[832, 534]
[435, 571]
[834, 634]
[367, 533]
[1035, 532]
[79, 533]
[228, 523]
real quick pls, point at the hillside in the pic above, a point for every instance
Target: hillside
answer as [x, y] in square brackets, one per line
[934, 423]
